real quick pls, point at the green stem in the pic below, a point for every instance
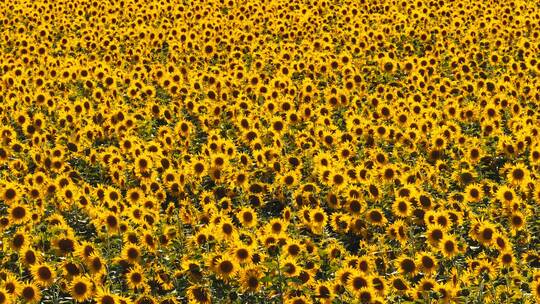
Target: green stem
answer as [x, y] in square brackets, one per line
[280, 281]
[480, 297]
[507, 287]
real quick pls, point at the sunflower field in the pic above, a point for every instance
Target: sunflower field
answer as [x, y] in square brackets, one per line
[278, 151]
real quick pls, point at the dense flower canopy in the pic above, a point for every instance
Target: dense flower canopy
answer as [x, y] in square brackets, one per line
[280, 151]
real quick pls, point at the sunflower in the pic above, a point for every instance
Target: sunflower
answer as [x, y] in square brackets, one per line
[501, 242]
[168, 300]
[426, 285]
[406, 265]
[242, 254]
[20, 240]
[135, 278]
[276, 226]
[226, 229]
[356, 280]
[506, 259]
[29, 256]
[534, 156]
[5, 297]
[323, 291]
[131, 253]
[134, 195]
[240, 179]
[376, 217]
[293, 249]
[80, 288]
[105, 296]
[319, 219]
[290, 267]
[379, 284]
[473, 193]
[149, 241]
[339, 222]
[226, 267]
[474, 154]
[96, 265]
[4, 223]
[164, 278]
[354, 206]
[112, 222]
[70, 268]
[399, 284]
[443, 219]
[486, 233]
[30, 293]
[486, 267]
[402, 207]
[143, 165]
[398, 231]
[366, 295]
[506, 195]
[85, 250]
[65, 244]
[192, 268]
[199, 295]
[201, 238]
[10, 193]
[535, 288]
[335, 250]
[426, 262]
[43, 274]
[435, 233]
[518, 175]
[250, 279]
[11, 284]
[517, 221]
[18, 213]
[448, 246]
[447, 292]
[338, 180]
[365, 264]
[388, 173]
[343, 274]
[297, 300]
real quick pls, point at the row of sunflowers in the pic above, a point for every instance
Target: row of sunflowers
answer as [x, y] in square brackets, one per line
[281, 151]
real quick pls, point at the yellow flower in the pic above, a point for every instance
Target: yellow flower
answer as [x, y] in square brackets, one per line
[448, 246]
[226, 268]
[135, 277]
[43, 274]
[199, 294]
[474, 193]
[402, 207]
[251, 279]
[30, 293]
[406, 265]
[131, 253]
[18, 213]
[80, 288]
[10, 192]
[104, 296]
[427, 262]
[5, 297]
[535, 288]
[518, 175]
[247, 217]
